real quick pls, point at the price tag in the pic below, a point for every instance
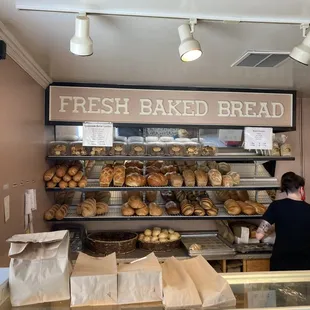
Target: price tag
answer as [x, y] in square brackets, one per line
[262, 299]
[97, 134]
[257, 138]
[230, 135]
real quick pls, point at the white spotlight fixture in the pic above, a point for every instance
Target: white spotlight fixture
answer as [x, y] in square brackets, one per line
[81, 43]
[189, 48]
[301, 52]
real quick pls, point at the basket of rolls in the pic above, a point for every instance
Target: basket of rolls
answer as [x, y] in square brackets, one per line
[159, 240]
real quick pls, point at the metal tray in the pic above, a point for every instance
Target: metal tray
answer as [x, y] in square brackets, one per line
[253, 248]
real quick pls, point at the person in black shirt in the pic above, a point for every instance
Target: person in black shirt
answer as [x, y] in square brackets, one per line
[291, 217]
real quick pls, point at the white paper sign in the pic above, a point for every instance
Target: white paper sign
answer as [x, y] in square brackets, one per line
[262, 299]
[257, 138]
[97, 134]
[230, 135]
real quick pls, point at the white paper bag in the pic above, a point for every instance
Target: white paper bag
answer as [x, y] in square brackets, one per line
[179, 289]
[140, 281]
[94, 281]
[39, 268]
[214, 290]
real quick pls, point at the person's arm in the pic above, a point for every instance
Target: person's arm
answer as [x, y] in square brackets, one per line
[267, 222]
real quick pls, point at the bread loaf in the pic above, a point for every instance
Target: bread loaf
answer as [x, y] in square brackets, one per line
[135, 180]
[77, 178]
[119, 176]
[212, 165]
[89, 207]
[223, 168]
[201, 178]
[176, 180]
[61, 212]
[101, 208]
[168, 176]
[235, 177]
[49, 174]
[127, 195]
[50, 213]
[155, 209]
[189, 178]
[151, 196]
[106, 176]
[246, 208]
[259, 208]
[215, 177]
[227, 181]
[73, 184]
[51, 184]
[83, 182]
[134, 163]
[136, 202]
[127, 210]
[172, 208]
[157, 179]
[67, 178]
[73, 170]
[63, 184]
[243, 195]
[56, 179]
[142, 211]
[232, 207]
[187, 208]
[198, 210]
[206, 203]
[61, 171]
[212, 212]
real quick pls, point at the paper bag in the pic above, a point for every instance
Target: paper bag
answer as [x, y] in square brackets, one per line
[39, 268]
[140, 281]
[214, 290]
[179, 289]
[94, 281]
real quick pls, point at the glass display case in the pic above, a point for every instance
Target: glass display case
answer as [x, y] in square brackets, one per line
[270, 290]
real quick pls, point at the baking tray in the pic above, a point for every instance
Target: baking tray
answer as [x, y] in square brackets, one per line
[212, 244]
[253, 248]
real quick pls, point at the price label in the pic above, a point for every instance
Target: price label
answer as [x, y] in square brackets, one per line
[97, 134]
[230, 135]
[262, 299]
[257, 138]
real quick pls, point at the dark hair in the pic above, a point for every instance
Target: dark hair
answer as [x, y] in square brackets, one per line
[291, 182]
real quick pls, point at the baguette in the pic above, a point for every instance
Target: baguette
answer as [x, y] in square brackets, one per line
[61, 171]
[63, 184]
[50, 213]
[72, 184]
[232, 207]
[73, 170]
[67, 178]
[77, 178]
[259, 208]
[61, 212]
[246, 208]
[51, 184]
[56, 179]
[49, 174]
[83, 182]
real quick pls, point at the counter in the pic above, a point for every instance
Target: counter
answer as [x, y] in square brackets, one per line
[269, 290]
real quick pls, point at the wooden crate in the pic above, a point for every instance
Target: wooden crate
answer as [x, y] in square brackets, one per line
[252, 265]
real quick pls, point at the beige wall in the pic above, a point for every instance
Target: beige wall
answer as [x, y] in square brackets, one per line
[23, 149]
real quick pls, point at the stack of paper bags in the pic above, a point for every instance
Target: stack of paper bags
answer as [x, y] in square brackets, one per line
[194, 283]
[94, 281]
[140, 281]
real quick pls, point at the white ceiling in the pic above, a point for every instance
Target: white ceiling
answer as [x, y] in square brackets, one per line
[144, 50]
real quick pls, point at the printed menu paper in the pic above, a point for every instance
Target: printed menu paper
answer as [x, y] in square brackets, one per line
[97, 134]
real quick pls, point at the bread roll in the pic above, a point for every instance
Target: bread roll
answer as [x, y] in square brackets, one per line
[232, 207]
[106, 176]
[155, 209]
[172, 208]
[50, 213]
[67, 178]
[77, 178]
[63, 184]
[180, 195]
[215, 177]
[206, 203]
[135, 180]
[259, 208]
[235, 177]
[73, 184]
[189, 178]
[51, 184]
[227, 181]
[127, 210]
[61, 171]
[187, 208]
[89, 207]
[119, 176]
[201, 178]
[246, 208]
[212, 212]
[176, 180]
[83, 182]
[157, 179]
[151, 196]
[243, 195]
[61, 212]
[101, 208]
[223, 168]
[198, 210]
[142, 211]
[73, 170]
[56, 179]
[136, 202]
[49, 174]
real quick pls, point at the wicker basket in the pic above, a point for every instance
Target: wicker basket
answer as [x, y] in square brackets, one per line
[160, 247]
[107, 242]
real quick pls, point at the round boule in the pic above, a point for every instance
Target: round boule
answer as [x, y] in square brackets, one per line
[141, 237]
[154, 239]
[156, 233]
[171, 231]
[163, 235]
[173, 237]
[165, 231]
[147, 239]
[148, 232]
[162, 240]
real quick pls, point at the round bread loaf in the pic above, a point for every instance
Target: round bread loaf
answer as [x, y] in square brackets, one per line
[157, 179]
[223, 168]
[136, 202]
[135, 180]
[127, 210]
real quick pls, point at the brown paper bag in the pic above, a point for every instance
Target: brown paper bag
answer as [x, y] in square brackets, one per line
[39, 268]
[94, 281]
[179, 289]
[214, 290]
[140, 281]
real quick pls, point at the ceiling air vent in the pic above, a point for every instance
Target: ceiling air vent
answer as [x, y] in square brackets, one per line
[255, 59]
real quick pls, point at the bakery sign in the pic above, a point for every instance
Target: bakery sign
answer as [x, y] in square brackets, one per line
[76, 104]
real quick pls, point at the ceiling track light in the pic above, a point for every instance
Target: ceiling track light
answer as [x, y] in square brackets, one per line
[189, 48]
[301, 52]
[81, 43]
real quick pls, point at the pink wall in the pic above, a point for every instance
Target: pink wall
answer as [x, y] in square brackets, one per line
[23, 149]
